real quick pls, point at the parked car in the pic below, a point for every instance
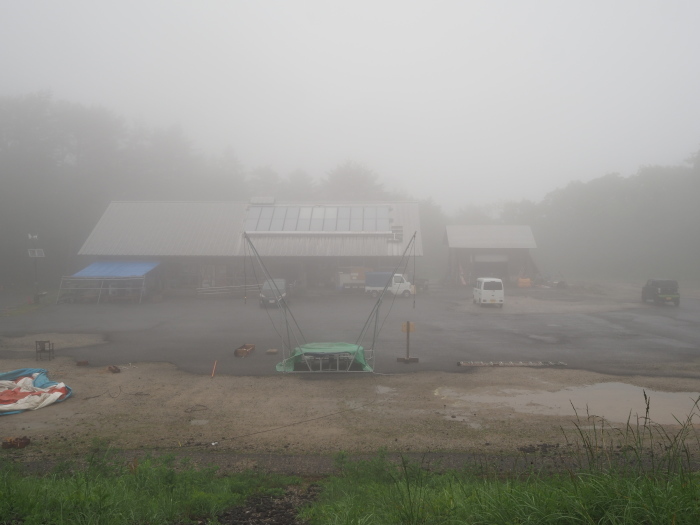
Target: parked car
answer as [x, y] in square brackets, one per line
[661, 291]
[393, 283]
[488, 291]
[274, 292]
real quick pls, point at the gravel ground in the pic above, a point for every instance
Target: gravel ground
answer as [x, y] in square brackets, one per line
[155, 406]
[296, 424]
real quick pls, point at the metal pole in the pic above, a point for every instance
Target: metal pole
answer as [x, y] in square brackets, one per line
[408, 337]
[376, 331]
[36, 280]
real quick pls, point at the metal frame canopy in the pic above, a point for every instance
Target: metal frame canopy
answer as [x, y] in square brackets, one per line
[326, 357]
[107, 280]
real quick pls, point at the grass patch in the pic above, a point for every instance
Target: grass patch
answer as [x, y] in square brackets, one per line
[381, 492]
[109, 491]
[640, 474]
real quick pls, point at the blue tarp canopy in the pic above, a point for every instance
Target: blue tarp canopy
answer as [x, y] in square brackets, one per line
[107, 281]
[116, 269]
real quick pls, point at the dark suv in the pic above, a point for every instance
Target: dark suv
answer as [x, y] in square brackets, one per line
[661, 291]
[274, 292]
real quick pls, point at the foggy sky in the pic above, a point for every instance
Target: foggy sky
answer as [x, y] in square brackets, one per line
[464, 102]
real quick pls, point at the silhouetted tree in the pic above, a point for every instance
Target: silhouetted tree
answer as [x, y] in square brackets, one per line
[300, 186]
[623, 228]
[266, 182]
[352, 181]
[58, 161]
[472, 214]
[223, 179]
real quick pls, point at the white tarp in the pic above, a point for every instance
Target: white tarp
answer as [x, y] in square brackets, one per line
[29, 389]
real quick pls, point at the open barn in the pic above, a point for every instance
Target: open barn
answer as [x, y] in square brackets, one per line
[490, 251]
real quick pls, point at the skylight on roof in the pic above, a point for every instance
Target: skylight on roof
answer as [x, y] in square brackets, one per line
[318, 219]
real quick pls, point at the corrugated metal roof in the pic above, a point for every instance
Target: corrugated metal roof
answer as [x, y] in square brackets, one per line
[117, 269]
[154, 229]
[490, 237]
[346, 244]
[324, 245]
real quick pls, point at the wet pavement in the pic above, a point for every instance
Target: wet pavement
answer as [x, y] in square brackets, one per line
[616, 402]
[194, 333]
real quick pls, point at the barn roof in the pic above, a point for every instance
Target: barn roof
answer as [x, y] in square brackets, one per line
[389, 230]
[153, 229]
[490, 237]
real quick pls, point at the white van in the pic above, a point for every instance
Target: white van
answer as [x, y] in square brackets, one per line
[488, 290]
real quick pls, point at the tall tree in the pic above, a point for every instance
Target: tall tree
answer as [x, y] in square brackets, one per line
[300, 186]
[352, 181]
[223, 178]
[473, 214]
[265, 182]
[57, 160]
[622, 227]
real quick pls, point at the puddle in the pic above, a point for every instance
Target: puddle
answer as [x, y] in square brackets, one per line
[384, 390]
[613, 401]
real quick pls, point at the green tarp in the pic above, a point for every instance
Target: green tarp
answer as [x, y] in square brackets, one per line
[330, 357]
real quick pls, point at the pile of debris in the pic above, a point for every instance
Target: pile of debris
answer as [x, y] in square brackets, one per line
[14, 442]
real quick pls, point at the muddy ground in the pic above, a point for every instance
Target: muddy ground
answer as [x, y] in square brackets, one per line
[298, 423]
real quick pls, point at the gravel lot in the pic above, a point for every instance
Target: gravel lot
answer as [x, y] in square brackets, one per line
[296, 423]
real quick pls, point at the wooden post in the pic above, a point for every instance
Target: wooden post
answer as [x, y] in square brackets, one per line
[407, 327]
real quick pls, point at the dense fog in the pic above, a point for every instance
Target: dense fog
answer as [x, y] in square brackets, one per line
[62, 163]
[577, 119]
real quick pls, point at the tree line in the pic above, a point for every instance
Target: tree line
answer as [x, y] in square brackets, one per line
[61, 163]
[623, 228]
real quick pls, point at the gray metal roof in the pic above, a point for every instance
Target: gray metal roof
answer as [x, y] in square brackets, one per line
[490, 237]
[152, 229]
[323, 244]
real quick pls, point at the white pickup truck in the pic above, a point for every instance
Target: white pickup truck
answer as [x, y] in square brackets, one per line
[375, 282]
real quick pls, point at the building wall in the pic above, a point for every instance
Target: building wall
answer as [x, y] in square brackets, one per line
[464, 269]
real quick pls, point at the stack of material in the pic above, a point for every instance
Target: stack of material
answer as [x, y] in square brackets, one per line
[244, 350]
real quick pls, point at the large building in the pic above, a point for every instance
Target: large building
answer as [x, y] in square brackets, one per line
[193, 246]
[490, 251]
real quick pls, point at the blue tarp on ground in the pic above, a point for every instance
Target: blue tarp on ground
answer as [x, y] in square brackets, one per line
[29, 389]
[114, 269]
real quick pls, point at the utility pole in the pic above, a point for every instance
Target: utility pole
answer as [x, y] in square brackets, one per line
[35, 253]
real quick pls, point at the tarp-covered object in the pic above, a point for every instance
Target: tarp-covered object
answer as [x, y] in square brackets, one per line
[348, 353]
[29, 389]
